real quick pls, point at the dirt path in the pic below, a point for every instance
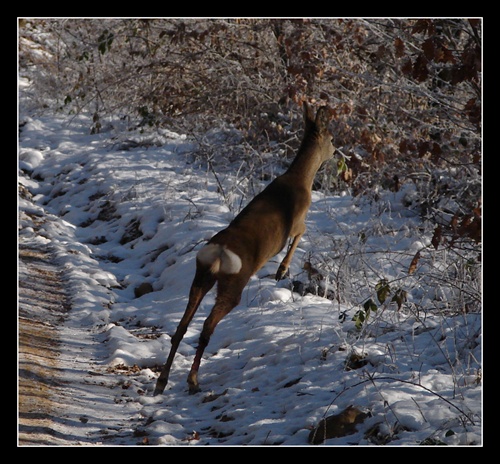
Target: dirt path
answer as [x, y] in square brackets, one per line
[67, 395]
[42, 303]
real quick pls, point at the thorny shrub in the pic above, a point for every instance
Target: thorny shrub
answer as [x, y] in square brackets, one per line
[405, 95]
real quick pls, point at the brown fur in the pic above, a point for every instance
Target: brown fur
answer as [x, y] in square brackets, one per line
[257, 234]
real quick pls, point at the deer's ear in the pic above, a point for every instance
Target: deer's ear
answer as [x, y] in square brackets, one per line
[323, 118]
[308, 113]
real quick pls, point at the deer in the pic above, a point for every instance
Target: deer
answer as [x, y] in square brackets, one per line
[259, 232]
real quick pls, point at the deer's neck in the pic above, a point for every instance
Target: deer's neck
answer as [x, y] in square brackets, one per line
[304, 167]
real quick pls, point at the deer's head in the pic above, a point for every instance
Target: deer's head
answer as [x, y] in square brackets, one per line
[317, 131]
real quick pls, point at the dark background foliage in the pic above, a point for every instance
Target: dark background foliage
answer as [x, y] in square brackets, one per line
[405, 93]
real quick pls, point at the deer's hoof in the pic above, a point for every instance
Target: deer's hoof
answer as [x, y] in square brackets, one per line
[193, 389]
[281, 273]
[192, 380]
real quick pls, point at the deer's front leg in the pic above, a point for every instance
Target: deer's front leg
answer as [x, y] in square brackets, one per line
[285, 264]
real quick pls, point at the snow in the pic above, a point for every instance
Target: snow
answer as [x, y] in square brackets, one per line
[135, 208]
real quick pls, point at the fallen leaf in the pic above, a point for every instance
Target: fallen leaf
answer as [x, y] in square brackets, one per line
[414, 262]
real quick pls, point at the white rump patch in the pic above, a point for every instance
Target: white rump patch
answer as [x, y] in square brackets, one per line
[220, 258]
[231, 262]
[208, 254]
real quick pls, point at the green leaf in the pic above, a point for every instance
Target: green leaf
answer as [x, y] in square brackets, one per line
[383, 289]
[362, 315]
[359, 318]
[370, 306]
[341, 166]
[105, 40]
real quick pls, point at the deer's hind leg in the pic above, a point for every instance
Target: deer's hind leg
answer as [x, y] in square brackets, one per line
[230, 288]
[203, 281]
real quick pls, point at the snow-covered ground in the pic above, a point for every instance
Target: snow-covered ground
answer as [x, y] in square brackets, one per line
[130, 208]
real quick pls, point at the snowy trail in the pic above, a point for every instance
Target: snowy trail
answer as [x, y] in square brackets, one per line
[64, 397]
